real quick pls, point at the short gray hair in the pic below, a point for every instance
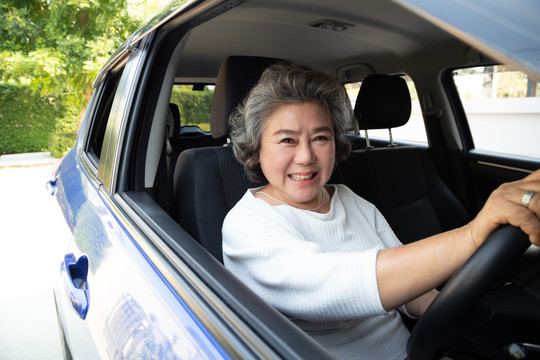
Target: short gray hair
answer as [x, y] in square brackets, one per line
[281, 84]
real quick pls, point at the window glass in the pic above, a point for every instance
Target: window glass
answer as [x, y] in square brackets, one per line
[502, 105]
[105, 99]
[413, 131]
[194, 102]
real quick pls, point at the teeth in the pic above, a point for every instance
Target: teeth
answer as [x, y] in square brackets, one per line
[302, 177]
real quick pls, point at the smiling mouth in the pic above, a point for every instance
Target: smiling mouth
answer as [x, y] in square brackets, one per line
[297, 177]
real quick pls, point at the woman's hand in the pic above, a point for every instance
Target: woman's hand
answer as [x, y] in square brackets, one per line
[505, 206]
[406, 272]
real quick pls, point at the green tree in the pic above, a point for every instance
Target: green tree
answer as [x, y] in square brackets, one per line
[56, 48]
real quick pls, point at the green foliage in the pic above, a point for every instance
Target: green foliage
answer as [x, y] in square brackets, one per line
[194, 106]
[21, 24]
[55, 49]
[27, 121]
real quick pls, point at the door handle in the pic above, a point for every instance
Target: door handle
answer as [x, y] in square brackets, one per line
[74, 275]
[52, 186]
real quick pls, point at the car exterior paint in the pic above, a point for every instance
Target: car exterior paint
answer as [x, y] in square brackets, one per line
[143, 316]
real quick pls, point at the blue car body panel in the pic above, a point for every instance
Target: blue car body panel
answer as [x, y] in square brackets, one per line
[70, 177]
[143, 316]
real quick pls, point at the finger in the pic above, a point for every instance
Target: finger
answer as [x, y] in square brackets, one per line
[509, 207]
[519, 192]
[530, 220]
[529, 196]
[535, 175]
[527, 221]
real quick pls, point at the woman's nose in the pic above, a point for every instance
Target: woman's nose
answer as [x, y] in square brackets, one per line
[304, 154]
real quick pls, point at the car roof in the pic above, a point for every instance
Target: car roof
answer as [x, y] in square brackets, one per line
[328, 35]
[344, 37]
[350, 38]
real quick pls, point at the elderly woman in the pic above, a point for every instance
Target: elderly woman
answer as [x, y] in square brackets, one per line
[319, 253]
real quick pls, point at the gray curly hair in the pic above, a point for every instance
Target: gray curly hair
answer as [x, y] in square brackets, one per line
[281, 84]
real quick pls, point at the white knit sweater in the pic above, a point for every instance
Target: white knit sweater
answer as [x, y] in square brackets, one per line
[319, 270]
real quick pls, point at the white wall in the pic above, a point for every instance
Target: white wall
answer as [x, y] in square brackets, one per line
[509, 125]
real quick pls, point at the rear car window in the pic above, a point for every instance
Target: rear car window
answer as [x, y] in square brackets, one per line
[502, 106]
[194, 103]
[413, 131]
[100, 118]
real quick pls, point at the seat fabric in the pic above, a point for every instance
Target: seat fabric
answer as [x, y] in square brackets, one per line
[237, 75]
[404, 185]
[209, 183]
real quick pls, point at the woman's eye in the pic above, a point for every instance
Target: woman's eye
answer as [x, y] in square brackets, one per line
[287, 141]
[321, 138]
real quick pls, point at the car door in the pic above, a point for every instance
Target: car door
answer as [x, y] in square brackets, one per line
[112, 300]
[499, 109]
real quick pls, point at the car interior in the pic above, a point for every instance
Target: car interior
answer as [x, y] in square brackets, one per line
[198, 174]
[183, 180]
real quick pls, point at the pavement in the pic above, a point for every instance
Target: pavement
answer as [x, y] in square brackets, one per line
[32, 239]
[29, 159]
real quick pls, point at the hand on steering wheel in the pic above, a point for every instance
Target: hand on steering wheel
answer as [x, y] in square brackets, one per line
[464, 290]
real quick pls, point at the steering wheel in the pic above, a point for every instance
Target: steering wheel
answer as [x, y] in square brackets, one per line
[464, 290]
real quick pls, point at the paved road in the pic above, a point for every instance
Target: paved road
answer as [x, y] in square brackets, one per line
[30, 246]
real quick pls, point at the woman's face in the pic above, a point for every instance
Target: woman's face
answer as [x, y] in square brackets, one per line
[297, 153]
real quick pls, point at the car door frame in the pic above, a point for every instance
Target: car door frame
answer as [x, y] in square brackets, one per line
[485, 170]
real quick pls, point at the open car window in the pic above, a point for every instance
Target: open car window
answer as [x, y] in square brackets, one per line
[502, 106]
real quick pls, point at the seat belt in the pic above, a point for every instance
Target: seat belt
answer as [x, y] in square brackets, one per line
[432, 116]
[164, 184]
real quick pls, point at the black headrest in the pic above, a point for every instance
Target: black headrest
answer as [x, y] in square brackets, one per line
[237, 75]
[383, 102]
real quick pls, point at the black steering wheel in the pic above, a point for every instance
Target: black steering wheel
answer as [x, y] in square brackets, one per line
[464, 290]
